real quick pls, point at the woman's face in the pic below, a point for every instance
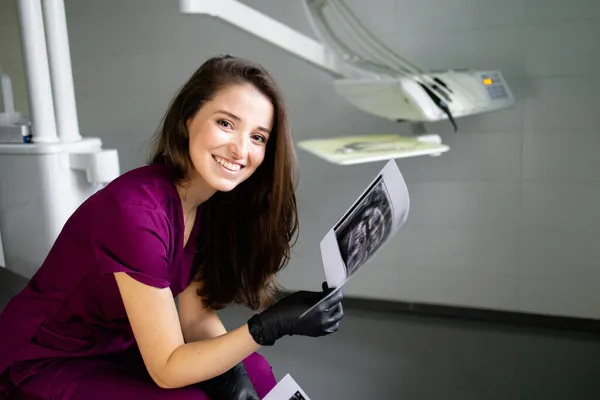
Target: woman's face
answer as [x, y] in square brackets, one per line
[228, 136]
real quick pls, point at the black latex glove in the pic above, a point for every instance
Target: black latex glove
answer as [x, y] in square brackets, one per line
[283, 318]
[232, 385]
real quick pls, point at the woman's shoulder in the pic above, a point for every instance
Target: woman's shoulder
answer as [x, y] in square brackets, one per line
[149, 186]
[143, 199]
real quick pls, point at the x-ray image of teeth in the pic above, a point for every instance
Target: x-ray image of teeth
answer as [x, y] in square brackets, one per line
[373, 218]
[371, 221]
[297, 396]
[286, 389]
[366, 228]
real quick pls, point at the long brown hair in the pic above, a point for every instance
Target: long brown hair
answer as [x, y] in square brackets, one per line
[246, 234]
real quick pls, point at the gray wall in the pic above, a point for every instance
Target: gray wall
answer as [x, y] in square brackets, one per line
[508, 219]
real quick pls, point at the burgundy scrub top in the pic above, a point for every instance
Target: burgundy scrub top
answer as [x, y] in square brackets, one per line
[72, 306]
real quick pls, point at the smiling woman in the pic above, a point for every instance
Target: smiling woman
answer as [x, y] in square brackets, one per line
[228, 139]
[209, 221]
[236, 139]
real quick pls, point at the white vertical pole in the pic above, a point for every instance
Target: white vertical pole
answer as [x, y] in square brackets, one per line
[60, 70]
[9, 115]
[2, 261]
[39, 87]
[7, 97]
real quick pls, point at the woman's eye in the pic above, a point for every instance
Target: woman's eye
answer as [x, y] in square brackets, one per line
[259, 138]
[224, 123]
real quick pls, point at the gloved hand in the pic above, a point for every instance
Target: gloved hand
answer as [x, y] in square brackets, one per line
[231, 385]
[283, 318]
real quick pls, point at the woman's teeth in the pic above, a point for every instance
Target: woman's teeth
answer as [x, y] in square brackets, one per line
[227, 164]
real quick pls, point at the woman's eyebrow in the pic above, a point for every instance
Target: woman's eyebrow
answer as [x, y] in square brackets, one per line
[232, 115]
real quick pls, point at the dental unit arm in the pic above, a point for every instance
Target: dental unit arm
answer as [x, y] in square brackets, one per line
[367, 73]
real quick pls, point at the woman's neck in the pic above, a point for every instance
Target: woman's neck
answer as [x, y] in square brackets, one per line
[193, 193]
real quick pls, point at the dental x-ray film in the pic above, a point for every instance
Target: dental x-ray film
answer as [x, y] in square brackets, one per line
[286, 389]
[372, 220]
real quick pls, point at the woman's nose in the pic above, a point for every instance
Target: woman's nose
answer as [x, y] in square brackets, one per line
[239, 146]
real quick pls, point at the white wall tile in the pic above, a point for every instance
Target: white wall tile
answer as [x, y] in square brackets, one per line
[449, 266]
[563, 296]
[562, 104]
[562, 156]
[11, 57]
[10, 42]
[160, 34]
[432, 51]
[15, 71]
[559, 254]
[567, 48]
[488, 289]
[452, 248]
[136, 73]
[472, 157]
[561, 206]
[500, 48]
[381, 22]
[465, 204]
[8, 12]
[386, 278]
[131, 9]
[560, 10]
[129, 132]
[495, 48]
[442, 15]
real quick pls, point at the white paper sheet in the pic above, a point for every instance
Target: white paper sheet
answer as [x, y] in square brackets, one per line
[286, 389]
[372, 220]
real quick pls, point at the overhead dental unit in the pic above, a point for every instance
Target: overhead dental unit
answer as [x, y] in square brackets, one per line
[371, 77]
[47, 169]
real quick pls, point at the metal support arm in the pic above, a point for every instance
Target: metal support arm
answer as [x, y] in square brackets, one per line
[274, 32]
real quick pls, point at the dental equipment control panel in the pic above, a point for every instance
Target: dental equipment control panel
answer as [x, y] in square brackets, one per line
[495, 86]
